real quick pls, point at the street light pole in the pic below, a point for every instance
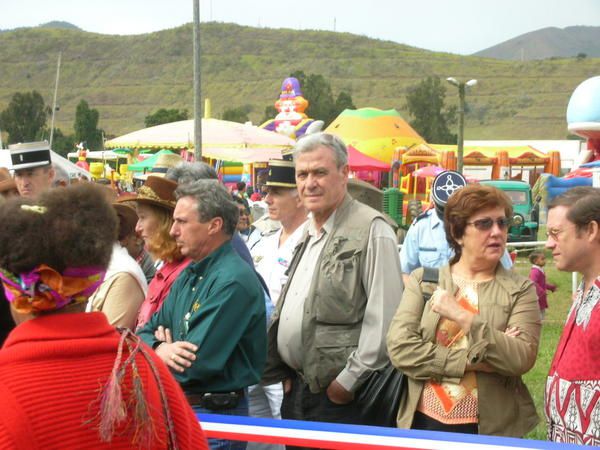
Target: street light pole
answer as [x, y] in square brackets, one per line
[461, 128]
[461, 118]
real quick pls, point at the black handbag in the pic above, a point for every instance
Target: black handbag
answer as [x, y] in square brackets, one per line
[378, 398]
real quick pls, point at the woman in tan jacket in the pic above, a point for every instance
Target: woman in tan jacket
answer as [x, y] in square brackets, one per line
[465, 349]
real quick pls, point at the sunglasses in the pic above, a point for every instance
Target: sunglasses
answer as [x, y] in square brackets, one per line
[487, 223]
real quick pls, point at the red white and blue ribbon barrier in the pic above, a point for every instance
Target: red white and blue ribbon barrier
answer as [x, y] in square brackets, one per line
[354, 437]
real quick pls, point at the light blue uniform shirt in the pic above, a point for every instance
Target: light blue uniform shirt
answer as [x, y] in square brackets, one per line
[425, 245]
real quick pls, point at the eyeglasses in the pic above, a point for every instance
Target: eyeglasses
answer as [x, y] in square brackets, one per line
[554, 233]
[487, 223]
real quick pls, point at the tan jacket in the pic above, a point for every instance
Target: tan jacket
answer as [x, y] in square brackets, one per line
[505, 405]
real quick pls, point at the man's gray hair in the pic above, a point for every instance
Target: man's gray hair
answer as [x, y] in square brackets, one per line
[213, 201]
[310, 142]
[187, 172]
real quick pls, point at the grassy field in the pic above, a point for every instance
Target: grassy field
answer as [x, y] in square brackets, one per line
[559, 303]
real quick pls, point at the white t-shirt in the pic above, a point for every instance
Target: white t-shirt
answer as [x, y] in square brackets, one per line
[272, 260]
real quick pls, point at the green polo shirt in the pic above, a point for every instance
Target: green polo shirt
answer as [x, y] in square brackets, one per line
[218, 304]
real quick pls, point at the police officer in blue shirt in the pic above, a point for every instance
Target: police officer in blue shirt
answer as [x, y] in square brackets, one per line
[425, 244]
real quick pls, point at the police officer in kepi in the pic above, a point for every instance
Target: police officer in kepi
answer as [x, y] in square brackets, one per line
[425, 244]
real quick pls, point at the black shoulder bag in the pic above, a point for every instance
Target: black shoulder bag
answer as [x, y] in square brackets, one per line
[378, 398]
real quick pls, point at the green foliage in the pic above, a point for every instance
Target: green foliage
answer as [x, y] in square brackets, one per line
[86, 126]
[25, 117]
[321, 105]
[425, 102]
[343, 101]
[165, 116]
[239, 114]
[63, 144]
[270, 113]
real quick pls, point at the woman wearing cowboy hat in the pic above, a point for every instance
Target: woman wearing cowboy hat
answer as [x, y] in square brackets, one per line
[155, 203]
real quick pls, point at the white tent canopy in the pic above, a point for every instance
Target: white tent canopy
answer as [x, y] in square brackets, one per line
[228, 141]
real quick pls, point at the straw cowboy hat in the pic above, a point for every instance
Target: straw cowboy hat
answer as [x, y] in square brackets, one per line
[164, 162]
[157, 191]
[6, 181]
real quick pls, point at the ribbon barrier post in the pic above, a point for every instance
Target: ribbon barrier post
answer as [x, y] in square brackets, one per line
[355, 437]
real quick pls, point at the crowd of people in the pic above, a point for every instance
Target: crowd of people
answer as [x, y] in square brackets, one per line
[124, 315]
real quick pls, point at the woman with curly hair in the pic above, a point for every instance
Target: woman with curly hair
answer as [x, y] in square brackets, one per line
[155, 203]
[67, 378]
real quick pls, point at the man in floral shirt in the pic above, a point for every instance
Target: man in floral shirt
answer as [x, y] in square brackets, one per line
[572, 400]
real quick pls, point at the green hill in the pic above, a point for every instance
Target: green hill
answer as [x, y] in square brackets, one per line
[128, 77]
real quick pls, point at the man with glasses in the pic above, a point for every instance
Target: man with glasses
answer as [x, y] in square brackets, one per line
[244, 227]
[572, 401]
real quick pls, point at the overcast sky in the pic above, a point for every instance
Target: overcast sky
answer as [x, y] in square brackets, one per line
[456, 26]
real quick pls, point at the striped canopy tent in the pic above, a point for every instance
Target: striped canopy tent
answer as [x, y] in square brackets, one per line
[222, 140]
[374, 132]
[519, 152]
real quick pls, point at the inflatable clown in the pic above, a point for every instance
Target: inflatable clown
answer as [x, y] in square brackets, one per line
[82, 157]
[291, 119]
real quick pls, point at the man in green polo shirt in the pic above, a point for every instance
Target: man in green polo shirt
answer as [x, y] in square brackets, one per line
[211, 328]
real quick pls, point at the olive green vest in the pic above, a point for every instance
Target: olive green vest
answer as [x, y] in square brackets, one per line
[335, 306]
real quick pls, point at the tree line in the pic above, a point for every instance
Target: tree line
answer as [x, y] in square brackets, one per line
[25, 118]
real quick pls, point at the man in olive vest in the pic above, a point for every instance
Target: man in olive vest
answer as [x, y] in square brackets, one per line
[329, 328]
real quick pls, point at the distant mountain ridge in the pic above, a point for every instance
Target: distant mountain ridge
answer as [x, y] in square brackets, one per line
[128, 77]
[548, 43]
[59, 24]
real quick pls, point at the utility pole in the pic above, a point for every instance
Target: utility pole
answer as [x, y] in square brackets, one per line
[54, 101]
[197, 85]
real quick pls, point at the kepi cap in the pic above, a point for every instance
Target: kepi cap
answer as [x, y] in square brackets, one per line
[30, 155]
[282, 173]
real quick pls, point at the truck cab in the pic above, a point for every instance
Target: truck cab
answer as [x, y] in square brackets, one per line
[525, 220]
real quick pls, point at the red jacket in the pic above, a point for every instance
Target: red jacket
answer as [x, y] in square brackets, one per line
[52, 369]
[538, 276]
[159, 288]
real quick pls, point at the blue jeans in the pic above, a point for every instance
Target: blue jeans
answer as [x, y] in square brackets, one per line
[222, 444]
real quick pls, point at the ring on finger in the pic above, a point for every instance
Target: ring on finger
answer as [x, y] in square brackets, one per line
[173, 356]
